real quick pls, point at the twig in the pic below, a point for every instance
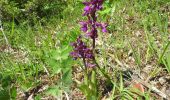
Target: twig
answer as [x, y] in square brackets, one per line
[118, 61]
[66, 95]
[46, 70]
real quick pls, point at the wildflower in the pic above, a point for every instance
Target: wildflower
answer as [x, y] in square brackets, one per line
[81, 50]
[90, 10]
[90, 27]
[84, 26]
[87, 10]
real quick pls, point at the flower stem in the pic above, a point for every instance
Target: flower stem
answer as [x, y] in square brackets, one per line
[103, 72]
[85, 72]
[94, 43]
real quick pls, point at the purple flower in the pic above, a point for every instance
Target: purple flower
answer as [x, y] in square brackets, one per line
[104, 30]
[92, 33]
[103, 27]
[87, 10]
[90, 27]
[75, 55]
[80, 50]
[84, 27]
[90, 10]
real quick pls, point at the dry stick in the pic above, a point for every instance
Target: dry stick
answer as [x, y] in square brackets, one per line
[66, 95]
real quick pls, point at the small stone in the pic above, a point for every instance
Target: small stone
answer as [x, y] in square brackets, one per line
[168, 91]
[138, 34]
[162, 80]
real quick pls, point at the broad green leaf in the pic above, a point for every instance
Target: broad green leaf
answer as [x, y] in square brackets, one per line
[53, 63]
[85, 89]
[67, 77]
[54, 91]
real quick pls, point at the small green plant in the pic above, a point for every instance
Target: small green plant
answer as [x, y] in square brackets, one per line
[165, 60]
[59, 63]
[87, 53]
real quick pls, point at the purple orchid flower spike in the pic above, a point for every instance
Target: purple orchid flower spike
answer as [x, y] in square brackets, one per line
[91, 7]
[81, 50]
[90, 28]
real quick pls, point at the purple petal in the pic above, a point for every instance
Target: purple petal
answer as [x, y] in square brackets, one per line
[89, 34]
[104, 30]
[82, 23]
[90, 65]
[87, 8]
[98, 24]
[84, 29]
[100, 7]
[104, 26]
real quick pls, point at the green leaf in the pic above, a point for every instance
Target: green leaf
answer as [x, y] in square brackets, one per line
[6, 81]
[67, 77]
[67, 63]
[56, 54]
[13, 91]
[168, 61]
[61, 53]
[4, 95]
[53, 63]
[85, 89]
[38, 97]
[54, 91]
[56, 70]
[65, 52]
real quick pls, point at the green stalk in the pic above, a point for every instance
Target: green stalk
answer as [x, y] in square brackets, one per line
[22, 72]
[103, 72]
[86, 72]
[94, 82]
[159, 61]
[137, 58]
[13, 26]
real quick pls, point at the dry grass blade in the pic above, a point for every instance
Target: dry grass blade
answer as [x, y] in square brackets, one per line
[6, 40]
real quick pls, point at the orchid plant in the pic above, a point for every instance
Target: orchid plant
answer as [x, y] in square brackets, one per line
[90, 28]
[87, 53]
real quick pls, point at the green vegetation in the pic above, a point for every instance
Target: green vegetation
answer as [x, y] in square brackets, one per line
[35, 39]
